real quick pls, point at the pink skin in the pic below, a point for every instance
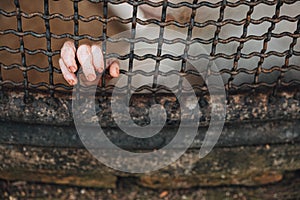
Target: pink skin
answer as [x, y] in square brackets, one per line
[90, 59]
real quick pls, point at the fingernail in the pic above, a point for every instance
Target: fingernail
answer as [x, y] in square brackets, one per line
[91, 77]
[71, 82]
[101, 70]
[73, 69]
[117, 71]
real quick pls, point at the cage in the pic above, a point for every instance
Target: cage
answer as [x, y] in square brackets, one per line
[255, 45]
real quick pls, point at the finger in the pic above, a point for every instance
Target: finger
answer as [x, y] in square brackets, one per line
[97, 58]
[68, 76]
[85, 82]
[114, 69]
[67, 54]
[85, 58]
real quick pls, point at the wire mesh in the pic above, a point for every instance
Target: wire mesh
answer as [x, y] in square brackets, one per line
[25, 39]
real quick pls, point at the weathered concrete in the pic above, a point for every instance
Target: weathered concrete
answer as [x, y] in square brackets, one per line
[128, 190]
[244, 166]
[242, 107]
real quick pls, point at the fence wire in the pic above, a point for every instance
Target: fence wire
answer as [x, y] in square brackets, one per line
[37, 34]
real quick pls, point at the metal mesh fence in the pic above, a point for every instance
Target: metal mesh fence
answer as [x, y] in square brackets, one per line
[32, 33]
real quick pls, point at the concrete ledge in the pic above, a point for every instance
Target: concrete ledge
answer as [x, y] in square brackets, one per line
[246, 106]
[233, 134]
